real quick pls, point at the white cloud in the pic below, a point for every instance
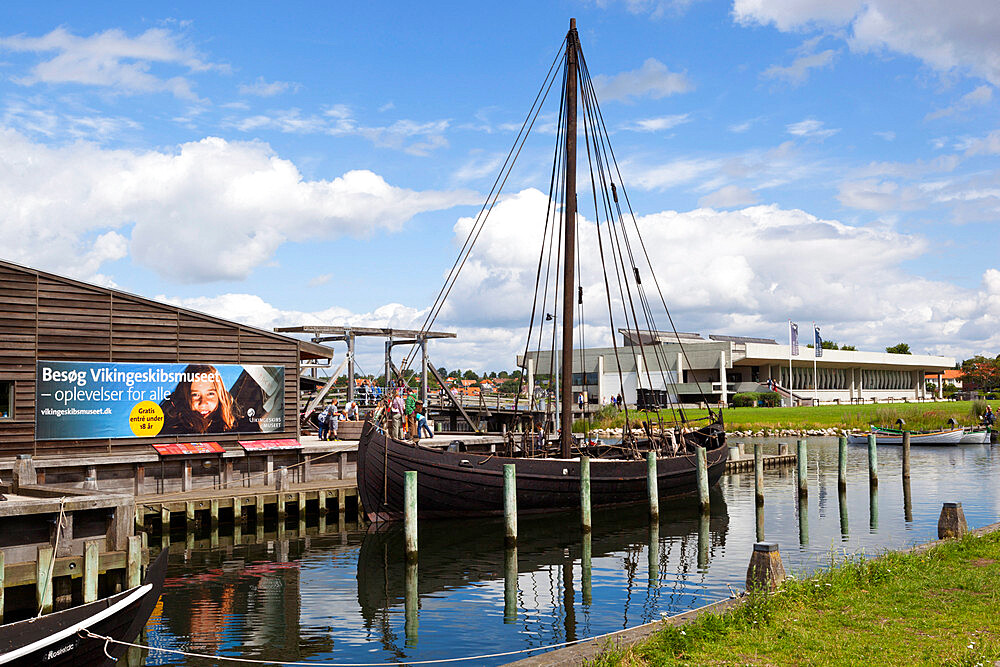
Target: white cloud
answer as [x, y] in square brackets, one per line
[954, 36]
[262, 88]
[888, 135]
[987, 145]
[654, 8]
[729, 196]
[112, 59]
[210, 210]
[811, 128]
[798, 71]
[981, 96]
[657, 124]
[653, 80]
[671, 174]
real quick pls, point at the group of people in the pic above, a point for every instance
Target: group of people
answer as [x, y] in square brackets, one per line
[616, 401]
[989, 418]
[407, 417]
[330, 417]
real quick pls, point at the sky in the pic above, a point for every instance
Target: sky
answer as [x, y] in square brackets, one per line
[320, 163]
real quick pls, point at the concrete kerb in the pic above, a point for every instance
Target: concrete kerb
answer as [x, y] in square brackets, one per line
[591, 648]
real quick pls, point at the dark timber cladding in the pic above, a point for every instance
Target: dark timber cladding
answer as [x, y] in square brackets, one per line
[49, 317]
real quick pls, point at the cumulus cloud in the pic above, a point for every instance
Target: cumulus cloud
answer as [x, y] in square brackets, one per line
[657, 124]
[729, 196]
[111, 59]
[955, 36]
[262, 88]
[807, 59]
[811, 128]
[981, 96]
[208, 210]
[653, 80]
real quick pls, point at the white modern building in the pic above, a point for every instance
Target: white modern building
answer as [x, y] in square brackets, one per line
[691, 368]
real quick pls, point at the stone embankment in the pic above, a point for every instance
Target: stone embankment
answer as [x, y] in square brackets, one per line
[760, 433]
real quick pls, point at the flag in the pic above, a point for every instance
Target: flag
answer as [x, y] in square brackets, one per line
[819, 342]
[793, 335]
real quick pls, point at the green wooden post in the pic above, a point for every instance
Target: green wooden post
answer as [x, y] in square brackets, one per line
[842, 497]
[652, 483]
[411, 598]
[133, 561]
[906, 455]
[803, 469]
[43, 584]
[872, 460]
[842, 462]
[701, 466]
[410, 513]
[803, 520]
[758, 475]
[585, 519]
[759, 516]
[510, 504]
[91, 569]
[510, 585]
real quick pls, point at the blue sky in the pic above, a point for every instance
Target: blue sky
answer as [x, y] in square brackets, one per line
[317, 163]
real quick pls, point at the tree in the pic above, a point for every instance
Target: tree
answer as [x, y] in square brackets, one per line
[827, 345]
[902, 348]
[981, 373]
[508, 386]
[470, 375]
[848, 348]
[503, 375]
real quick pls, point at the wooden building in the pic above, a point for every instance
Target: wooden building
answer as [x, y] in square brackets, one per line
[49, 317]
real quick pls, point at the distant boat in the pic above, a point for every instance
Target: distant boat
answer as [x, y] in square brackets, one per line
[55, 639]
[893, 436]
[976, 436]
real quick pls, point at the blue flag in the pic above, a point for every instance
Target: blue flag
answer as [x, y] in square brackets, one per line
[793, 334]
[818, 343]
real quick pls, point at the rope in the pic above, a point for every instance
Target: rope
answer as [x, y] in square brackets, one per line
[55, 552]
[87, 634]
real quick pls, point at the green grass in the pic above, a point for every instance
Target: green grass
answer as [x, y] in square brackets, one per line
[939, 607]
[918, 416]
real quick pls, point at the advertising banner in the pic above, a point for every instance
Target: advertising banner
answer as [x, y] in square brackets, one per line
[77, 400]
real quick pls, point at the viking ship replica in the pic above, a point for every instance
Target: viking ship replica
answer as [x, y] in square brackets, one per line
[465, 481]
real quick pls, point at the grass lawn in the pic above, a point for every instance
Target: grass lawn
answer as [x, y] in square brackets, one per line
[939, 607]
[917, 416]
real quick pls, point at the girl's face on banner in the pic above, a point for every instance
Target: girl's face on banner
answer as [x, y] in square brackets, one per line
[204, 398]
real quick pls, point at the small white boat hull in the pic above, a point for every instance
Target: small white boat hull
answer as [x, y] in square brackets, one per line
[975, 437]
[947, 437]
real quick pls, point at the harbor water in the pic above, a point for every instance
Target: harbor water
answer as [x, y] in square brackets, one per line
[349, 597]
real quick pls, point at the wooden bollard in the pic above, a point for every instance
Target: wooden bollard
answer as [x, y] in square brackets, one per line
[652, 484]
[509, 505]
[43, 583]
[782, 449]
[872, 460]
[952, 523]
[701, 468]
[803, 469]
[906, 455]
[133, 562]
[586, 524]
[758, 472]
[842, 462]
[766, 572]
[734, 452]
[410, 513]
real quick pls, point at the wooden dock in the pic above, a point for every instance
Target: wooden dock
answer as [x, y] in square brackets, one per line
[745, 463]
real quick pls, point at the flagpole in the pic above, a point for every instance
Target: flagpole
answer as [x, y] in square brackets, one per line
[816, 352]
[791, 382]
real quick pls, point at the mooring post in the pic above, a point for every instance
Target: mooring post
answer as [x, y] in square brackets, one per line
[410, 513]
[701, 467]
[759, 516]
[906, 455]
[510, 505]
[133, 561]
[766, 571]
[782, 449]
[510, 585]
[652, 485]
[842, 462]
[842, 497]
[734, 452]
[952, 523]
[873, 506]
[907, 501]
[43, 583]
[758, 473]
[803, 508]
[803, 470]
[585, 521]
[872, 460]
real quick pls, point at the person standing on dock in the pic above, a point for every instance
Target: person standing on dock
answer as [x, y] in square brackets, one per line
[410, 408]
[422, 426]
[396, 408]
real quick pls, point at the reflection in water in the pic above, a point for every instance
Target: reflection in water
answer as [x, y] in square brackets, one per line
[873, 506]
[347, 596]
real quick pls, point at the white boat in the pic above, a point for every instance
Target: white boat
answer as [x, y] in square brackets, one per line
[976, 436]
[891, 436]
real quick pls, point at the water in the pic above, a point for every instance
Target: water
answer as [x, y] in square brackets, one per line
[348, 597]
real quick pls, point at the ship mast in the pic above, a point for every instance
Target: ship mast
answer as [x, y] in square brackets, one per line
[569, 248]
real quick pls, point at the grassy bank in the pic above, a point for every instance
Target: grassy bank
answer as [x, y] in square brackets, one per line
[933, 608]
[918, 416]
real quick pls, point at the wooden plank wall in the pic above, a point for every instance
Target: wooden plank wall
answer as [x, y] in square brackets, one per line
[45, 317]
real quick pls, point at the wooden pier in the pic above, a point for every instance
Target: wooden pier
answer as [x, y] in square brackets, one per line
[745, 463]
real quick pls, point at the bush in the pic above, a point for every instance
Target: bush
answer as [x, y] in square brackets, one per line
[978, 408]
[749, 399]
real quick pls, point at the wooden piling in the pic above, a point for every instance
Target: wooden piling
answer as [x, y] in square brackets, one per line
[802, 467]
[766, 571]
[43, 583]
[951, 522]
[411, 597]
[213, 513]
[842, 497]
[701, 466]
[586, 524]
[759, 516]
[907, 501]
[133, 562]
[410, 513]
[872, 460]
[164, 520]
[873, 506]
[906, 455]
[803, 509]
[258, 514]
[653, 486]
[842, 462]
[782, 449]
[238, 516]
[189, 516]
[510, 505]
[758, 474]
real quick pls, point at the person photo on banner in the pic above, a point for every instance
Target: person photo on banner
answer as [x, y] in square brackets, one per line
[203, 406]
